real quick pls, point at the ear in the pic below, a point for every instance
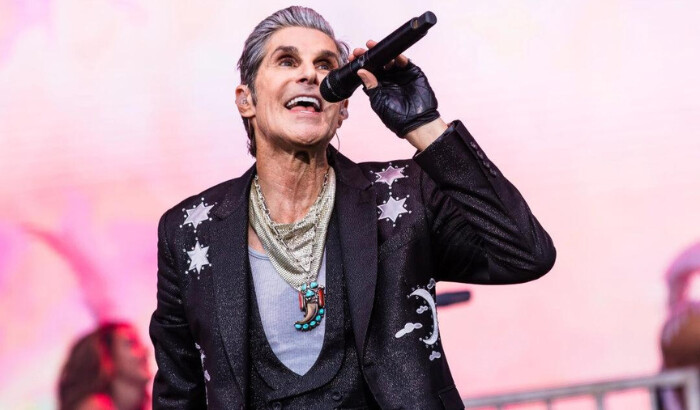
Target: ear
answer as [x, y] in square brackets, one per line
[244, 101]
[344, 114]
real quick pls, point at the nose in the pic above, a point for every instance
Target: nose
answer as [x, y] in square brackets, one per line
[308, 74]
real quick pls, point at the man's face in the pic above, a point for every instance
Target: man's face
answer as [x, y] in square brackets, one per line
[290, 113]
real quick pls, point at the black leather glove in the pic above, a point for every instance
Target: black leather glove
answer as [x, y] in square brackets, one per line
[403, 99]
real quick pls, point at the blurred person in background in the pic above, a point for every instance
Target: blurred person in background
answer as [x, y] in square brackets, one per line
[106, 369]
[680, 335]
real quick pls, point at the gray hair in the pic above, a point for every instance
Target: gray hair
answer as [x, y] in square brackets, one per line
[254, 48]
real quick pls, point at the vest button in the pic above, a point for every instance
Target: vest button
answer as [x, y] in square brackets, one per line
[277, 405]
[336, 396]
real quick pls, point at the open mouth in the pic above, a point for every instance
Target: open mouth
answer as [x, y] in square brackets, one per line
[304, 103]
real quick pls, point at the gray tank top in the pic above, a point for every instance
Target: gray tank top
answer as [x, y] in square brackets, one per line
[278, 304]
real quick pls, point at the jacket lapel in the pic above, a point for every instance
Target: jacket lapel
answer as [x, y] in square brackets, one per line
[357, 216]
[230, 267]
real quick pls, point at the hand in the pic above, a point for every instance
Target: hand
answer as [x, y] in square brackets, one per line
[400, 94]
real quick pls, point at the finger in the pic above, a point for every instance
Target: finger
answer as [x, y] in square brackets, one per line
[401, 60]
[358, 51]
[368, 79]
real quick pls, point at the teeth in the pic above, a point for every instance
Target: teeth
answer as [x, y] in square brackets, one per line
[311, 100]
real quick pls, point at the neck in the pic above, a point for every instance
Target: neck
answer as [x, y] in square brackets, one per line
[128, 395]
[291, 181]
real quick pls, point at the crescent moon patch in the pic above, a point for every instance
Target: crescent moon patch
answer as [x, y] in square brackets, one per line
[431, 303]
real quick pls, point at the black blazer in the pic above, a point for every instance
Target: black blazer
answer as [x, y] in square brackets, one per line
[451, 215]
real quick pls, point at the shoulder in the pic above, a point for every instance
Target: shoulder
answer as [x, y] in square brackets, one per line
[210, 196]
[219, 196]
[98, 401]
[362, 174]
[388, 172]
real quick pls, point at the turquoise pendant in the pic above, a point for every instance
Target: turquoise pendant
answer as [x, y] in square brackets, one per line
[312, 303]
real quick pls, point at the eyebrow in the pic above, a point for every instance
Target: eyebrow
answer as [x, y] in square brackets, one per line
[295, 51]
[330, 55]
[286, 49]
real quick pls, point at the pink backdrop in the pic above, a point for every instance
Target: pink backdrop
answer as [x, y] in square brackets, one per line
[112, 111]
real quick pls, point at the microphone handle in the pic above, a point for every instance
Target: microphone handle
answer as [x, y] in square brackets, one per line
[341, 83]
[395, 43]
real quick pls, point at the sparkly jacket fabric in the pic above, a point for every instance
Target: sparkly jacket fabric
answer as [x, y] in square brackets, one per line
[447, 214]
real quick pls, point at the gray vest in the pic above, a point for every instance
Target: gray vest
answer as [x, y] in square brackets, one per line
[335, 380]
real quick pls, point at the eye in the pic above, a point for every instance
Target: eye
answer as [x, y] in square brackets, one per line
[324, 65]
[287, 62]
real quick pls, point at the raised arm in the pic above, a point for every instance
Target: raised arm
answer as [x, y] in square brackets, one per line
[482, 228]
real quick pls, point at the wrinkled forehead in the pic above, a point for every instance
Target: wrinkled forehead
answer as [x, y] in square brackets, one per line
[304, 41]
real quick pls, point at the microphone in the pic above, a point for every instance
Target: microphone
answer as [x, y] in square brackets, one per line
[340, 83]
[451, 298]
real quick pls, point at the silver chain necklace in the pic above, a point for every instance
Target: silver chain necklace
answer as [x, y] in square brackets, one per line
[274, 227]
[296, 249]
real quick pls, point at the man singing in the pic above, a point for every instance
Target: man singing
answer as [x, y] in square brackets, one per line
[309, 281]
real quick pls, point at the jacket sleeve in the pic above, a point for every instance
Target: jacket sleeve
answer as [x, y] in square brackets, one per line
[481, 227]
[179, 381]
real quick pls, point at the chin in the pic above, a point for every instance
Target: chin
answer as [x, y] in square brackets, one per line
[311, 138]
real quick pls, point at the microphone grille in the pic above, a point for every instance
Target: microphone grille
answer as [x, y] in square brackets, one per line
[327, 90]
